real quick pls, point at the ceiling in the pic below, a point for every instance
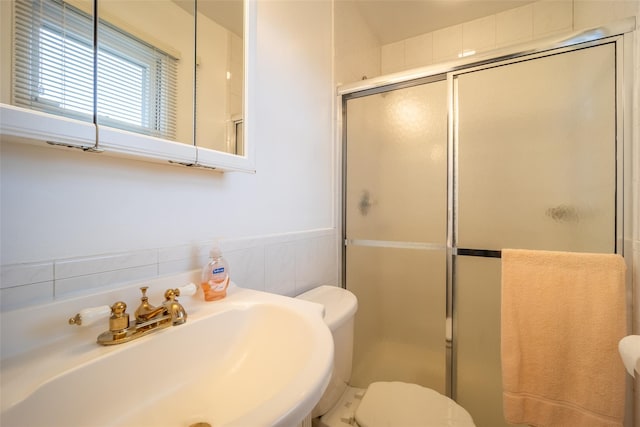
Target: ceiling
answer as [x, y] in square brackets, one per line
[389, 20]
[227, 13]
[394, 20]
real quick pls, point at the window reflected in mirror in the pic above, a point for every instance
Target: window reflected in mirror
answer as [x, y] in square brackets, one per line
[145, 67]
[53, 58]
[172, 69]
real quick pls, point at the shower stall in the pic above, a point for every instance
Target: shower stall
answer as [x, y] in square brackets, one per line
[443, 170]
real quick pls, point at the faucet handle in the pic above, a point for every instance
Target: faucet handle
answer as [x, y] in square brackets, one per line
[187, 290]
[88, 316]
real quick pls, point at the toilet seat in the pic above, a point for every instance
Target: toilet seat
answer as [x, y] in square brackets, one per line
[409, 405]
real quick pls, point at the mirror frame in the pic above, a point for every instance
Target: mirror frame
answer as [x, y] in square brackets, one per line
[131, 144]
[30, 126]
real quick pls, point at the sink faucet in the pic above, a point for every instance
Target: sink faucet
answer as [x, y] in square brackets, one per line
[148, 318]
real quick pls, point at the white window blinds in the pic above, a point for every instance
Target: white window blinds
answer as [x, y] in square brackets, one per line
[53, 70]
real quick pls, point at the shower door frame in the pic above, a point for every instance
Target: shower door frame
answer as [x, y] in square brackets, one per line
[620, 33]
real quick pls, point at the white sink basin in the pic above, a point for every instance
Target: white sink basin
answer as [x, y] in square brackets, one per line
[253, 359]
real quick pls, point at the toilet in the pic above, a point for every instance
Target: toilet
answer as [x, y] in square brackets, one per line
[382, 404]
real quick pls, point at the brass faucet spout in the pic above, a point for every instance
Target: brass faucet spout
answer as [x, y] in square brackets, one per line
[147, 318]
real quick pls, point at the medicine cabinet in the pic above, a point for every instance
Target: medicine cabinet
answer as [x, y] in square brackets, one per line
[162, 80]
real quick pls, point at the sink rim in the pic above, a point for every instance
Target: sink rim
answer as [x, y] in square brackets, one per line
[63, 357]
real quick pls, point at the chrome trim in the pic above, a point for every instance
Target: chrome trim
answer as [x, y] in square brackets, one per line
[397, 85]
[96, 22]
[343, 199]
[450, 334]
[395, 244]
[453, 234]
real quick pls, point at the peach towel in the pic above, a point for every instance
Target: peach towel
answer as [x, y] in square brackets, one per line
[562, 317]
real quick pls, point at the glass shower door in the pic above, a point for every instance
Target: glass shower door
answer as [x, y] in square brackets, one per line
[395, 217]
[536, 169]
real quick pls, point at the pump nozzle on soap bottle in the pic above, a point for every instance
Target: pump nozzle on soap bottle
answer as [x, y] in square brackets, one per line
[215, 276]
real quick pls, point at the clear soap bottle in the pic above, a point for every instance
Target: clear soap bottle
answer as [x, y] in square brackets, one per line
[215, 276]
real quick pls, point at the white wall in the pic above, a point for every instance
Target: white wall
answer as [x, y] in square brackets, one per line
[58, 204]
[357, 49]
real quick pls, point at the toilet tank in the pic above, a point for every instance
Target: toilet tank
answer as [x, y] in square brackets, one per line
[340, 307]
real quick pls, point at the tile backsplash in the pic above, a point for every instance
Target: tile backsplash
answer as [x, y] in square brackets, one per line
[286, 264]
[522, 24]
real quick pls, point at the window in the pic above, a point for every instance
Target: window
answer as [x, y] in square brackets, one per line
[53, 70]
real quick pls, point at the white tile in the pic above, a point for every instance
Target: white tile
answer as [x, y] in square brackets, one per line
[21, 296]
[280, 269]
[92, 282]
[180, 266]
[182, 258]
[552, 16]
[316, 263]
[479, 35]
[91, 265]
[590, 13]
[175, 253]
[24, 274]
[447, 43]
[594, 13]
[515, 25]
[419, 51]
[246, 267]
[392, 57]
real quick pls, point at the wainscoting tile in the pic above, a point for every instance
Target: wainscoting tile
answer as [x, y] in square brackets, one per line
[286, 263]
[20, 296]
[280, 269]
[315, 263]
[175, 253]
[246, 267]
[83, 266]
[25, 274]
[183, 258]
[91, 282]
[180, 266]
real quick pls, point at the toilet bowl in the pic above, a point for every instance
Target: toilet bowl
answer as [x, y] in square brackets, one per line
[388, 404]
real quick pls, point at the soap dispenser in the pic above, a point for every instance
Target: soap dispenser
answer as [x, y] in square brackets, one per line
[215, 276]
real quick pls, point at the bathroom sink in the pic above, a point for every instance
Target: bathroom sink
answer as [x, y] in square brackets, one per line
[253, 359]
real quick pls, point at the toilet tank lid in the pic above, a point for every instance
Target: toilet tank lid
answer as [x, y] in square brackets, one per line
[339, 304]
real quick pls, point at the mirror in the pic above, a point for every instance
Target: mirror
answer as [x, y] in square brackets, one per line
[219, 75]
[145, 67]
[152, 81]
[52, 50]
